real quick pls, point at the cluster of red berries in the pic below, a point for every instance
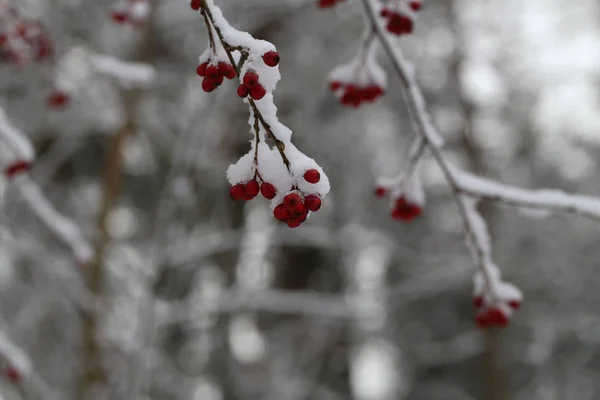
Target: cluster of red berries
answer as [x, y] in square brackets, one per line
[328, 3]
[214, 74]
[354, 95]
[295, 206]
[250, 85]
[399, 23]
[16, 168]
[404, 210]
[126, 13]
[490, 317]
[58, 99]
[25, 41]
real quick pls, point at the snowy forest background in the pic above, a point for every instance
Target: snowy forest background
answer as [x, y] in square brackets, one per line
[204, 298]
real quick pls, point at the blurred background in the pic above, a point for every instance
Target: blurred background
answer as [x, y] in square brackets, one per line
[197, 297]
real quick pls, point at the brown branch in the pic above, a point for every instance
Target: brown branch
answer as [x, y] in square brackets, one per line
[92, 369]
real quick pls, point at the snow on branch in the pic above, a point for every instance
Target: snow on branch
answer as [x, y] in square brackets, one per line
[65, 229]
[547, 199]
[128, 74]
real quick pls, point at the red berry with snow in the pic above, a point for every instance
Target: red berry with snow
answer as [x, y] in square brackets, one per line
[258, 92]
[242, 91]
[312, 176]
[226, 70]
[271, 58]
[237, 192]
[251, 188]
[267, 190]
[195, 4]
[201, 69]
[405, 211]
[250, 79]
[313, 202]
[291, 199]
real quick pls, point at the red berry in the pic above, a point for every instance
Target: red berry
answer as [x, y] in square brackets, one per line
[208, 85]
[258, 92]
[326, 3]
[120, 17]
[297, 209]
[291, 199]
[380, 191]
[497, 317]
[242, 91]
[58, 99]
[294, 224]
[250, 79]
[13, 374]
[281, 212]
[405, 211]
[415, 5]
[16, 167]
[3, 39]
[201, 69]
[267, 190]
[195, 4]
[384, 12]
[478, 301]
[226, 70]
[251, 189]
[312, 176]
[335, 85]
[271, 58]
[312, 202]
[212, 72]
[218, 80]
[237, 192]
[514, 304]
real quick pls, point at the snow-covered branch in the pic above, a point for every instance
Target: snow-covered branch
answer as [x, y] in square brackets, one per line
[65, 229]
[128, 74]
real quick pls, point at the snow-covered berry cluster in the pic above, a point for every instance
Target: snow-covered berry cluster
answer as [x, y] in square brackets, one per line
[327, 3]
[22, 41]
[496, 304]
[407, 197]
[130, 12]
[360, 81]
[401, 15]
[294, 183]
